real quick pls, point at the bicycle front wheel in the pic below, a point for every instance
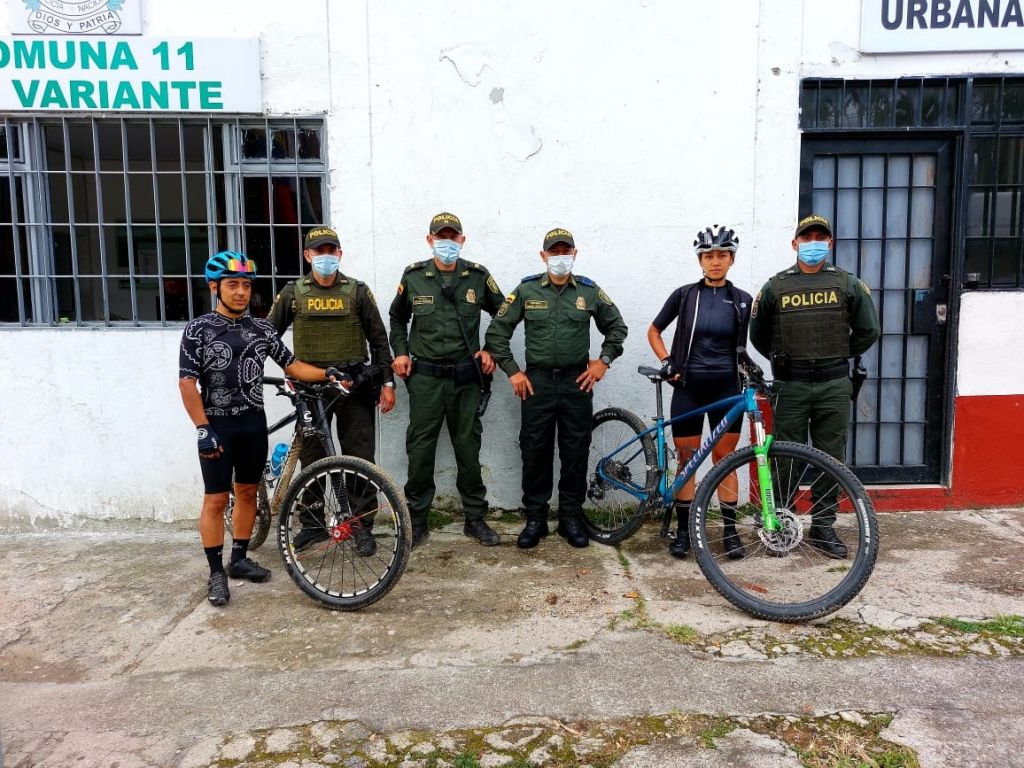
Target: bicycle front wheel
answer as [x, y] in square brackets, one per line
[618, 486]
[261, 526]
[344, 532]
[793, 573]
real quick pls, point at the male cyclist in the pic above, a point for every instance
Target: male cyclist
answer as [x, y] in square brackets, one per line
[220, 370]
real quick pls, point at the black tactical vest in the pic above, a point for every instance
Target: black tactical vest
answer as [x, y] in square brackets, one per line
[812, 320]
[327, 328]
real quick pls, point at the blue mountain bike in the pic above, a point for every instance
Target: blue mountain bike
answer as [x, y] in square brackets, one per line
[787, 491]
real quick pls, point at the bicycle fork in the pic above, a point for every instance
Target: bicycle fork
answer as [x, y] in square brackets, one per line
[762, 443]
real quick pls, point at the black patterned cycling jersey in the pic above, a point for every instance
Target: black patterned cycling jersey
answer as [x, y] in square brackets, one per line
[226, 357]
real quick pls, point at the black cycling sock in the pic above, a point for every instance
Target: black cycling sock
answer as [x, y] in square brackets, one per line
[215, 557]
[728, 512]
[238, 549]
[682, 512]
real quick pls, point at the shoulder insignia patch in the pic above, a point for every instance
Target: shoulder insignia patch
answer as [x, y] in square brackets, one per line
[492, 284]
[605, 297]
[529, 278]
[503, 309]
[369, 293]
[864, 285]
[401, 288]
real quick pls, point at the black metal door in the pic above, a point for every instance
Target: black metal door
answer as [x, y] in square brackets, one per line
[891, 203]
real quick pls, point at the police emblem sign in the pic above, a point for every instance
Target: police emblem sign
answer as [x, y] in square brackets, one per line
[75, 17]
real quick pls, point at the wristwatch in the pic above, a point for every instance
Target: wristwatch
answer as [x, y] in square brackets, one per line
[605, 359]
[389, 384]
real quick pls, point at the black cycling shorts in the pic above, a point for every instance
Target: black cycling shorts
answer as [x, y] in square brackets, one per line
[244, 439]
[703, 388]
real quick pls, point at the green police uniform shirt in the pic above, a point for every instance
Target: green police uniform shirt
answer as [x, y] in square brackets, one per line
[351, 317]
[860, 309]
[435, 334]
[557, 322]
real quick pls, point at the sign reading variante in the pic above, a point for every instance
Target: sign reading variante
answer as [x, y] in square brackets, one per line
[150, 74]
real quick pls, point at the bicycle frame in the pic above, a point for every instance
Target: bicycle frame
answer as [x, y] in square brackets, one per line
[745, 403]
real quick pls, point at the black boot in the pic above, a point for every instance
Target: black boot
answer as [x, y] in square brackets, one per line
[730, 539]
[680, 545]
[535, 530]
[571, 529]
[824, 539]
[314, 530]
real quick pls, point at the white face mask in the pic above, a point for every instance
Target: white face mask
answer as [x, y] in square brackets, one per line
[560, 266]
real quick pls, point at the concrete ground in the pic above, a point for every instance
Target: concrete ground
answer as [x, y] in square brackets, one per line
[111, 656]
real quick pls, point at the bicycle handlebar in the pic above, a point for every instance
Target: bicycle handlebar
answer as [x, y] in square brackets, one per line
[752, 373]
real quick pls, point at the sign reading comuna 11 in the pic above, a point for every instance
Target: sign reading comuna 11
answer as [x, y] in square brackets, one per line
[151, 74]
[903, 26]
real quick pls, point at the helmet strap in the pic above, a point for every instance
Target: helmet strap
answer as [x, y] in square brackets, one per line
[223, 308]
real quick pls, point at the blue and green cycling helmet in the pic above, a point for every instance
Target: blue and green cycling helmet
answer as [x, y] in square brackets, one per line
[230, 264]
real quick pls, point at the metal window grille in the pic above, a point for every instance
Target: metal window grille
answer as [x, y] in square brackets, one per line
[987, 113]
[111, 220]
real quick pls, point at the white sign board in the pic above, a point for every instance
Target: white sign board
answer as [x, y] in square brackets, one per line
[903, 26]
[75, 17]
[144, 74]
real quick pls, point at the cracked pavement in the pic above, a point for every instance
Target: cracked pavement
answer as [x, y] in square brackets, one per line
[109, 653]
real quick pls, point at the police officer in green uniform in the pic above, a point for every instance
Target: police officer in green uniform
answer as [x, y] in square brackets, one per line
[557, 386]
[809, 320]
[445, 370]
[335, 318]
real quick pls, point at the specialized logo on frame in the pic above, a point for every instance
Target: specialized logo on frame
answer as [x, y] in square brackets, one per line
[80, 17]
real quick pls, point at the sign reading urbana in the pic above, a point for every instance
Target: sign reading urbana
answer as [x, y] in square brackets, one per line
[75, 17]
[901, 26]
[142, 73]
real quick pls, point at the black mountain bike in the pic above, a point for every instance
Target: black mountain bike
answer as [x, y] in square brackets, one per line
[330, 503]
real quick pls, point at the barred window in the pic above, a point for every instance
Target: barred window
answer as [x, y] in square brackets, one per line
[111, 220]
[988, 114]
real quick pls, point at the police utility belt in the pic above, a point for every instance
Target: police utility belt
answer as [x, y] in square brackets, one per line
[568, 372]
[796, 370]
[462, 372]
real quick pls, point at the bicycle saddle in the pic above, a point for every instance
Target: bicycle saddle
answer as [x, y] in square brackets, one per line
[654, 374]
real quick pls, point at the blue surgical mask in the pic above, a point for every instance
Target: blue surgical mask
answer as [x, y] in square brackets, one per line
[812, 253]
[559, 266]
[446, 251]
[326, 264]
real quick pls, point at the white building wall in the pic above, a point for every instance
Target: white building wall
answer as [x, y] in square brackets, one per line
[632, 122]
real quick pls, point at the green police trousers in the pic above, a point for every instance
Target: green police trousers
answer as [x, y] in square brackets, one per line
[821, 408]
[432, 401]
[557, 405]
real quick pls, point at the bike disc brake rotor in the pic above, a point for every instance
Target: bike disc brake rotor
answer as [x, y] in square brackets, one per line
[786, 538]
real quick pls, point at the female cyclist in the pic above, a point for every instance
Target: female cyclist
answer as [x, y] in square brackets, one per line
[711, 318]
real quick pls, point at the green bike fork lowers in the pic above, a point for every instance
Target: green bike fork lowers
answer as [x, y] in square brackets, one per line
[764, 476]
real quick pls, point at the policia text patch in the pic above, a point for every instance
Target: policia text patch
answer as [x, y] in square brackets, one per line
[798, 300]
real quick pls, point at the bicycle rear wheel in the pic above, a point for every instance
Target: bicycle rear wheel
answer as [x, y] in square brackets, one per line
[261, 526]
[331, 503]
[611, 513]
[785, 575]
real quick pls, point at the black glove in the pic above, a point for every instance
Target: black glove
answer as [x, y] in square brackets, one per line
[208, 442]
[668, 369]
[341, 380]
